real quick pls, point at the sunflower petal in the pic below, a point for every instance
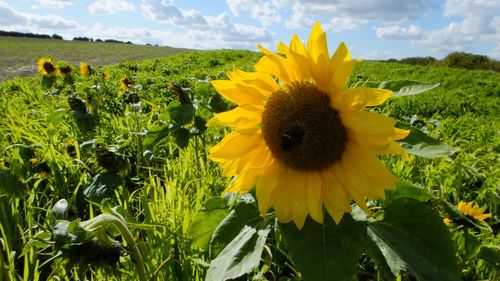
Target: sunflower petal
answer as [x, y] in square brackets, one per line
[356, 99]
[266, 184]
[235, 145]
[238, 94]
[240, 117]
[275, 65]
[314, 200]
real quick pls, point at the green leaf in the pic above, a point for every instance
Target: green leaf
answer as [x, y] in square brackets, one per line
[180, 113]
[243, 214]
[240, 256]
[56, 116]
[420, 144]
[181, 137]
[405, 189]
[102, 186]
[376, 254]
[326, 251]
[217, 104]
[60, 210]
[155, 135]
[203, 225]
[407, 87]
[491, 254]
[412, 237]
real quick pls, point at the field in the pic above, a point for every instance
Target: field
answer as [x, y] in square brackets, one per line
[78, 151]
[18, 55]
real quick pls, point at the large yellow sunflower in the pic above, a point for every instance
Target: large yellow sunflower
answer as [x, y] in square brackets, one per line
[46, 67]
[301, 138]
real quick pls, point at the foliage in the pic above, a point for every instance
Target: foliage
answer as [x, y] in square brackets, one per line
[73, 149]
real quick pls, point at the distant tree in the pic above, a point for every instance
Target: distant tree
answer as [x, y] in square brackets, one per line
[468, 61]
[57, 37]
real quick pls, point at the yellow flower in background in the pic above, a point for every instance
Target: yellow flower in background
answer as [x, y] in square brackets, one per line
[126, 83]
[105, 75]
[300, 137]
[470, 210]
[85, 69]
[64, 70]
[46, 67]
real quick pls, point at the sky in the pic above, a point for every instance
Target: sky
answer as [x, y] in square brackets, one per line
[372, 29]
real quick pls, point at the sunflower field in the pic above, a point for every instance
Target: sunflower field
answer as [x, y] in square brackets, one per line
[212, 165]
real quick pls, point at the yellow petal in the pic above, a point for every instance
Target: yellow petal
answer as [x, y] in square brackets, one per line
[298, 202]
[482, 217]
[239, 94]
[240, 117]
[341, 75]
[266, 184]
[335, 199]
[317, 44]
[314, 199]
[264, 82]
[357, 99]
[345, 178]
[366, 123]
[235, 145]
[300, 63]
[275, 65]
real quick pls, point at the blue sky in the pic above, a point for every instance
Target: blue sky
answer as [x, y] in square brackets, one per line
[372, 29]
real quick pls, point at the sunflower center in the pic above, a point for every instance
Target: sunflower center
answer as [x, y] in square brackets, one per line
[48, 67]
[302, 129]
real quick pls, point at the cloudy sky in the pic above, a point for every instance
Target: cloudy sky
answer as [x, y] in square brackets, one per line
[372, 29]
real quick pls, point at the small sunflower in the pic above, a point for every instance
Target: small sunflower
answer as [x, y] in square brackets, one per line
[85, 69]
[105, 75]
[301, 138]
[471, 210]
[64, 70]
[46, 67]
[126, 83]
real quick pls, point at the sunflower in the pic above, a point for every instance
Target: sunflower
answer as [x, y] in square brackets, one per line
[85, 69]
[46, 67]
[105, 75]
[64, 70]
[471, 210]
[126, 83]
[301, 138]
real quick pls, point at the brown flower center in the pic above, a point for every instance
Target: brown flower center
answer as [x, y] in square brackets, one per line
[48, 67]
[301, 128]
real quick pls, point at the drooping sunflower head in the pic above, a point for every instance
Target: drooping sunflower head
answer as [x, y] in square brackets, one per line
[471, 210]
[64, 70]
[301, 137]
[46, 67]
[126, 83]
[85, 69]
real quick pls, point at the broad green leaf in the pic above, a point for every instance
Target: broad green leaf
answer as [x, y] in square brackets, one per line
[420, 144]
[376, 254]
[412, 237]
[326, 251]
[102, 186]
[243, 214]
[407, 87]
[405, 189]
[491, 254]
[203, 225]
[155, 135]
[240, 256]
[56, 116]
[181, 113]
[60, 210]
[181, 137]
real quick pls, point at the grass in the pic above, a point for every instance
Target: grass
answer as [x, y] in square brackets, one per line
[161, 179]
[18, 56]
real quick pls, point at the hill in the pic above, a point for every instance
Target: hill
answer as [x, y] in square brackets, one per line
[18, 55]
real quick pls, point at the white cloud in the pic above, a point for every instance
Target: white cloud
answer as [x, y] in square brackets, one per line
[12, 19]
[56, 3]
[263, 11]
[398, 33]
[338, 24]
[357, 13]
[205, 32]
[165, 11]
[110, 7]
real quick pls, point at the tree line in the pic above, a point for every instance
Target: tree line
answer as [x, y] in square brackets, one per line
[57, 37]
[455, 60]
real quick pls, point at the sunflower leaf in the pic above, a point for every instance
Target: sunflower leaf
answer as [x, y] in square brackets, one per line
[491, 254]
[326, 251]
[402, 88]
[420, 144]
[240, 256]
[420, 244]
[405, 189]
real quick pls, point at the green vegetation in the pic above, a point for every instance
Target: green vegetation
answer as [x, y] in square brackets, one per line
[18, 56]
[95, 178]
[455, 60]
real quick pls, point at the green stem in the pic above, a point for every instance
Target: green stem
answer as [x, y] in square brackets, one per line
[104, 219]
